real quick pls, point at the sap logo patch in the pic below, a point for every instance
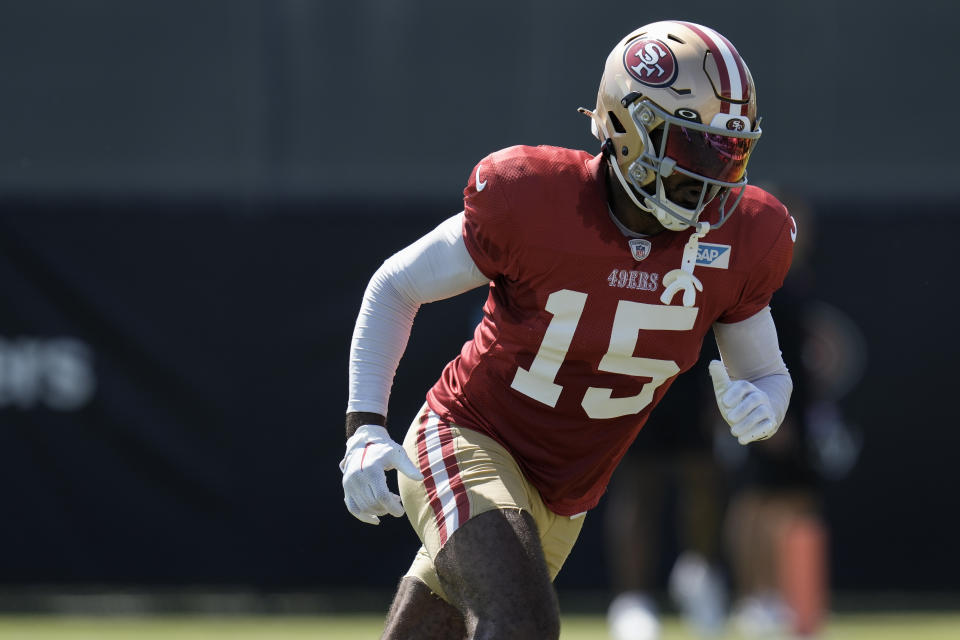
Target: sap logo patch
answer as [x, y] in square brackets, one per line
[713, 255]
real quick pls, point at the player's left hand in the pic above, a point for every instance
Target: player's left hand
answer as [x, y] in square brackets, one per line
[746, 408]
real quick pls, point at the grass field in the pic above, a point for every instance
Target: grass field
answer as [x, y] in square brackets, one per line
[842, 627]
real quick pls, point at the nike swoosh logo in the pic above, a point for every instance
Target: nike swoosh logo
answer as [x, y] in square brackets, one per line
[481, 184]
[793, 229]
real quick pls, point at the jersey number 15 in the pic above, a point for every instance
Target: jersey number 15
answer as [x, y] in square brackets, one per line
[566, 306]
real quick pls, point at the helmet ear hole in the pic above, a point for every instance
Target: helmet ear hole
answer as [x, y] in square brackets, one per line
[615, 121]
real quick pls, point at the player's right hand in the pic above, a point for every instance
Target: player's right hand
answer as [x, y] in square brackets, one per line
[370, 453]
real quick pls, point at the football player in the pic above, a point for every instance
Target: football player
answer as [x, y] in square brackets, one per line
[605, 274]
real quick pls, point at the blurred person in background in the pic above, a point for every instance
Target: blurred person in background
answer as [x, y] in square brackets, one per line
[602, 288]
[666, 499]
[778, 539]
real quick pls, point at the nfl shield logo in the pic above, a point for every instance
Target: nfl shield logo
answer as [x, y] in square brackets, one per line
[640, 248]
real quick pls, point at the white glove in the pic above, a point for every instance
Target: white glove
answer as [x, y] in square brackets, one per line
[370, 454]
[746, 408]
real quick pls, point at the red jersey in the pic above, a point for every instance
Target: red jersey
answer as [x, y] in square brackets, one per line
[575, 347]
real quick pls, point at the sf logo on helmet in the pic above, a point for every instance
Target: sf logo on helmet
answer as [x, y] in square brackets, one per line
[651, 62]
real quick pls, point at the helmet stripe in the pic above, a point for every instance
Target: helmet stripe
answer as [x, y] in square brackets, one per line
[740, 66]
[733, 77]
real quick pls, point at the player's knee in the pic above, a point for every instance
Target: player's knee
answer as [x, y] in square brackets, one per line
[525, 627]
[521, 619]
[542, 624]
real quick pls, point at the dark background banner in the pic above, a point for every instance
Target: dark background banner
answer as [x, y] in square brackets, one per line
[173, 382]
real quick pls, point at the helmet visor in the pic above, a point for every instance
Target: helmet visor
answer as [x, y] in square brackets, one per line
[714, 156]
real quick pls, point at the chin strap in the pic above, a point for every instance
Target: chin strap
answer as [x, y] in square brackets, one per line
[682, 279]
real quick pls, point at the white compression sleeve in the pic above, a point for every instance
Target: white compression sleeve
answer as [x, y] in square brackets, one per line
[435, 267]
[750, 351]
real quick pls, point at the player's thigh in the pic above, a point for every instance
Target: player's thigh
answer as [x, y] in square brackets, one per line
[494, 570]
[418, 613]
[467, 474]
